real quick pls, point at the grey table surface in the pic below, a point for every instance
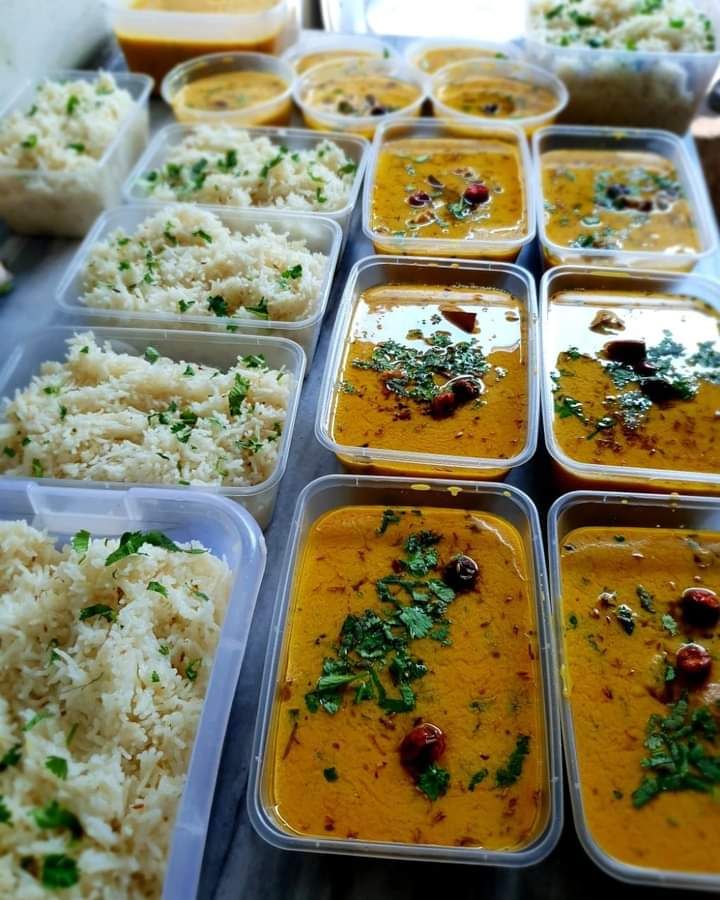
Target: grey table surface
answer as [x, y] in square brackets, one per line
[237, 863]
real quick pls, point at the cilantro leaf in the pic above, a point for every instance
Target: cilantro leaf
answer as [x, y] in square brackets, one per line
[669, 624]
[98, 609]
[11, 757]
[237, 394]
[645, 598]
[59, 871]
[508, 774]
[36, 719]
[80, 541]
[55, 816]
[388, 518]
[417, 622]
[477, 778]
[58, 766]
[330, 774]
[5, 814]
[157, 588]
[132, 541]
[434, 782]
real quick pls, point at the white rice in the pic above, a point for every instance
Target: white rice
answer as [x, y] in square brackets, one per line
[121, 694]
[225, 165]
[182, 256]
[643, 25]
[108, 416]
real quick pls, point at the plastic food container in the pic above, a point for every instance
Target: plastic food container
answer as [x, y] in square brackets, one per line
[584, 508]
[465, 48]
[383, 270]
[648, 89]
[220, 350]
[338, 71]
[65, 204]
[354, 147]
[329, 493]
[231, 534]
[155, 40]
[321, 234]
[318, 47]
[490, 69]
[577, 278]
[568, 137]
[274, 111]
[502, 248]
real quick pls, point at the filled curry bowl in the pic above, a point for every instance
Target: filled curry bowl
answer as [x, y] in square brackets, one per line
[432, 370]
[315, 48]
[635, 588]
[432, 192]
[433, 740]
[631, 378]
[620, 197]
[430, 54]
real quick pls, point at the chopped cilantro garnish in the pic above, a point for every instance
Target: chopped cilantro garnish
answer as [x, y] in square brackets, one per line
[218, 305]
[202, 234]
[36, 719]
[132, 541]
[98, 609]
[191, 670]
[11, 757]
[157, 588]
[29, 142]
[330, 774]
[77, 147]
[237, 394]
[5, 814]
[477, 778]
[388, 518]
[508, 774]
[37, 468]
[434, 782]
[80, 541]
[59, 871]
[55, 816]
[645, 598]
[261, 310]
[669, 624]
[626, 618]
[293, 273]
[58, 766]
[151, 355]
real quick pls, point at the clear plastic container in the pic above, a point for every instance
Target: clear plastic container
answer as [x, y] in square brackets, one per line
[334, 491]
[340, 71]
[220, 350]
[488, 70]
[635, 88]
[156, 40]
[663, 143]
[65, 204]
[416, 50]
[621, 510]
[501, 248]
[355, 148]
[322, 235]
[318, 47]
[383, 270]
[231, 534]
[274, 111]
[577, 278]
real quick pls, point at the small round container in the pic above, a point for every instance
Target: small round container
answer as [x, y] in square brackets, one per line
[529, 78]
[425, 55]
[329, 78]
[273, 111]
[324, 47]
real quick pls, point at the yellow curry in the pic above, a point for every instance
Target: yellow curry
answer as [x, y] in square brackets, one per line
[636, 380]
[156, 55]
[616, 200]
[435, 370]
[496, 97]
[467, 189]
[640, 610]
[434, 58]
[233, 92]
[410, 706]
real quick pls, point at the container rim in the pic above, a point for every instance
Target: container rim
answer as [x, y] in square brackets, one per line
[278, 65]
[102, 227]
[596, 470]
[430, 127]
[544, 844]
[172, 135]
[698, 199]
[124, 80]
[337, 344]
[191, 18]
[393, 65]
[609, 864]
[155, 335]
[511, 67]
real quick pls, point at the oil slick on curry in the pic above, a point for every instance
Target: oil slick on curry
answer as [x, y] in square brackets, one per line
[410, 705]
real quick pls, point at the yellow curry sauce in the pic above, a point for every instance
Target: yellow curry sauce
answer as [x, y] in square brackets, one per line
[496, 97]
[435, 370]
[156, 55]
[465, 189]
[231, 92]
[636, 380]
[435, 58]
[395, 632]
[317, 57]
[633, 599]
[616, 200]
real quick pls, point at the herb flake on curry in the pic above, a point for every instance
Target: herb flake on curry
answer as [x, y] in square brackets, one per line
[640, 387]
[645, 700]
[411, 675]
[435, 370]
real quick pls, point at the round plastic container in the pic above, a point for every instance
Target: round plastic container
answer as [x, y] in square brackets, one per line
[423, 55]
[274, 111]
[336, 73]
[488, 70]
[155, 40]
[323, 47]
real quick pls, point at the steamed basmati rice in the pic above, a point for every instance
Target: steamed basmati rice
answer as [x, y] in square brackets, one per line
[182, 258]
[104, 670]
[225, 165]
[110, 416]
